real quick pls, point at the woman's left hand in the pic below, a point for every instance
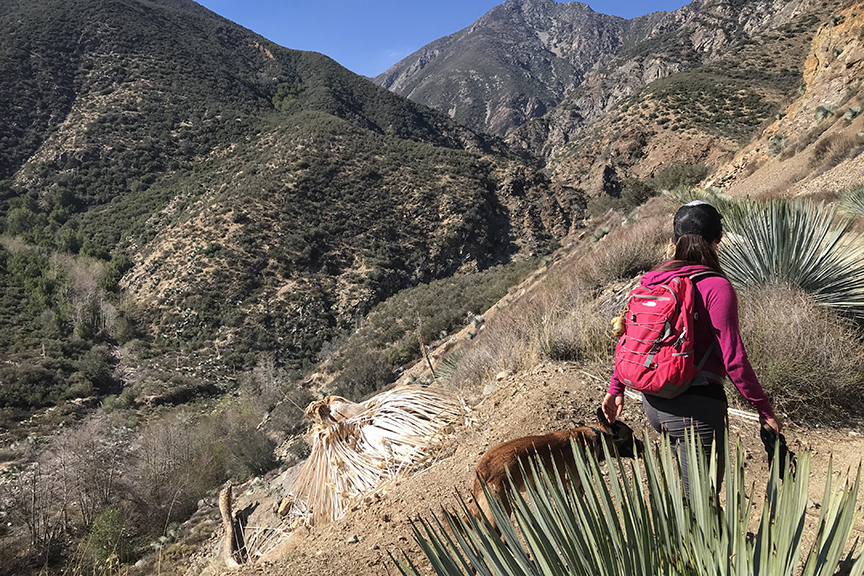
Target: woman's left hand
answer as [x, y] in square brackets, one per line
[770, 423]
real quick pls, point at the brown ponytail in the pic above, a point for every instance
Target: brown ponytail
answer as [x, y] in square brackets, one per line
[692, 249]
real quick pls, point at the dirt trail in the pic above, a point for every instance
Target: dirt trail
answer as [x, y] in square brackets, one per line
[550, 397]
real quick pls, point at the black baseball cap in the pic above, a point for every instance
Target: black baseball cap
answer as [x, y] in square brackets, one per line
[700, 218]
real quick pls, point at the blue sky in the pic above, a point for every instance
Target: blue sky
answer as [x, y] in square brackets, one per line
[368, 37]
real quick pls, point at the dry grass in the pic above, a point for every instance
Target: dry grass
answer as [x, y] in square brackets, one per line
[567, 316]
[625, 252]
[832, 150]
[809, 359]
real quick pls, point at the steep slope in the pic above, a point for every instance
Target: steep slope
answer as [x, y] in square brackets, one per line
[285, 257]
[693, 116]
[566, 67]
[262, 197]
[104, 82]
[814, 146]
[699, 34]
[514, 63]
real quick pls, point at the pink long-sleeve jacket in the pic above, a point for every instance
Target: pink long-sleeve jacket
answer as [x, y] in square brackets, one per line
[717, 307]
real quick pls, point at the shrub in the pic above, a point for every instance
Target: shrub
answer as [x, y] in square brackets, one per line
[580, 334]
[95, 366]
[824, 111]
[778, 143]
[109, 536]
[626, 252]
[181, 457]
[363, 375]
[809, 359]
[686, 175]
[842, 148]
[832, 150]
[635, 193]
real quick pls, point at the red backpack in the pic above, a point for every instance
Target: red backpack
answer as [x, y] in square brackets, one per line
[655, 353]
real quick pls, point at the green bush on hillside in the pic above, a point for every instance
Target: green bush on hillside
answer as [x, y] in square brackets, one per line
[56, 322]
[109, 537]
[389, 336]
[635, 192]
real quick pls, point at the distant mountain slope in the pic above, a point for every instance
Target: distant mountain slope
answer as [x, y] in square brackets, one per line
[700, 34]
[515, 63]
[266, 197]
[286, 256]
[698, 115]
[84, 74]
[562, 61]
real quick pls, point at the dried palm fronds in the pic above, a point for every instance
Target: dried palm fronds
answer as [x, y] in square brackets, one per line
[261, 540]
[353, 458]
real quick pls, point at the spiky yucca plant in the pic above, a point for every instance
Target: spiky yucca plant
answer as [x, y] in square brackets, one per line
[799, 244]
[852, 201]
[639, 522]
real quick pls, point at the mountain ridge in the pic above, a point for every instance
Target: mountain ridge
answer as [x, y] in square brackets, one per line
[163, 113]
[515, 80]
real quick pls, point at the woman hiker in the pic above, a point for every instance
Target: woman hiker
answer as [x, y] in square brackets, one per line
[717, 343]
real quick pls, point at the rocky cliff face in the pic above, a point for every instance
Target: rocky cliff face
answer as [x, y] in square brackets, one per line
[814, 146]
[513, 64]
[661, 45]
[568, 65]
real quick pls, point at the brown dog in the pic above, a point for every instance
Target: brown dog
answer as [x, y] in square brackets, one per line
[494, 464]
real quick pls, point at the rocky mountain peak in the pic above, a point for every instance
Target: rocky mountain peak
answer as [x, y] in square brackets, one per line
[514, 63]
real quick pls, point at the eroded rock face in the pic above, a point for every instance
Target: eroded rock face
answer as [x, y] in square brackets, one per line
[826, 112]
[525, 57]
[677, 41]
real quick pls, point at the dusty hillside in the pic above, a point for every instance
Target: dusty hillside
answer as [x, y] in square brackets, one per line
[813, 147]
[550, 397]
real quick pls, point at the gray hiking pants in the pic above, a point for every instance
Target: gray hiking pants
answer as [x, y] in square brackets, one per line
[676, 415]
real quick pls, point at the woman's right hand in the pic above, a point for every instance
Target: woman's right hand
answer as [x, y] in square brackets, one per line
[612, 407]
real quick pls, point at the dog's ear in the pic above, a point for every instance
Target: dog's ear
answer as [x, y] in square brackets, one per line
[601, 417]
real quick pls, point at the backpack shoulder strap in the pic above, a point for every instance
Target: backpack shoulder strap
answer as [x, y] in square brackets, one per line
[703, 274]
[693, 278]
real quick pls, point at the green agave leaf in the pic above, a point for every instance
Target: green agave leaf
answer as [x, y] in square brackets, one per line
[637, 521]
[799, 244]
